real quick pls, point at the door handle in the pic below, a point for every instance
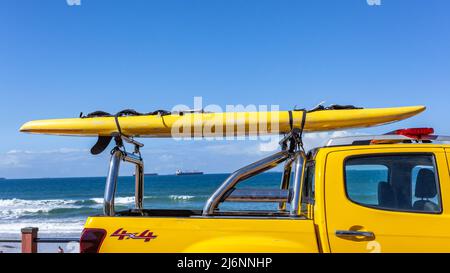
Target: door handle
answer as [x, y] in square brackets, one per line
[353, 233]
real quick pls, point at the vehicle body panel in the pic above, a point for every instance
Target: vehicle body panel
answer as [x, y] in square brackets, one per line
[395, 231]
[212, 235]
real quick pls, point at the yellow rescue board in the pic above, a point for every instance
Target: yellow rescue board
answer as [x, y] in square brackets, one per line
[221, 124]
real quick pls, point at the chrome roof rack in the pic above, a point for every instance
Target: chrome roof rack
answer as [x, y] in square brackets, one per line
[382, 139]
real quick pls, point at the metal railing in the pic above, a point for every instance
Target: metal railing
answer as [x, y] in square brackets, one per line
[292, 153]
[258, 167]
[30, 240]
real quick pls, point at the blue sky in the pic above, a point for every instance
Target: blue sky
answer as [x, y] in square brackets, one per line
[57, 60]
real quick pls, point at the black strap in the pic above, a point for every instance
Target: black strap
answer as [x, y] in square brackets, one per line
[126, 112]
[291, 120]
[160, 112]
[334, 107]
[299, 140]
[96, 114]
[304, 112]
[116, 119]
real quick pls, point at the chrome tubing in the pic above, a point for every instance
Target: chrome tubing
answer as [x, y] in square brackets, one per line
[131, 158]
[243, 173]
[255, 195]
[57, 240]
[299, 170]
[139, 187]
[111, 183]
[285, 181]
[139, 179]
[354, 233]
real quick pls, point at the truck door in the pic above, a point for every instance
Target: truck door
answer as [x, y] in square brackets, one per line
[388, 200]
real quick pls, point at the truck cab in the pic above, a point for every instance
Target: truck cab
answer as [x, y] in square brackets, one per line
[387, 193]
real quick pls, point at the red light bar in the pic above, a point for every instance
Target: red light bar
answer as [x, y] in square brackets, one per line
[415, 133]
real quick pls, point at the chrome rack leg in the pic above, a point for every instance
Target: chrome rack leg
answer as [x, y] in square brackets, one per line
[111, 183]
[298, 175]
[119, 153]
[139, 178]
[139, 187]
[285, 182]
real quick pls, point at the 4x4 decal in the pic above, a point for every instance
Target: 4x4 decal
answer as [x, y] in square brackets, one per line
[122, 234]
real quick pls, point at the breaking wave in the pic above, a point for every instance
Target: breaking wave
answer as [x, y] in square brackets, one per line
[181, 197]
[19, 208]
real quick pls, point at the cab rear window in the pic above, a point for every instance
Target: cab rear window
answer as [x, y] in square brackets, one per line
[394, 182]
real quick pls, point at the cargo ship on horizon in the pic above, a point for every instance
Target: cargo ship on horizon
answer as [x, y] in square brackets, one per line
[148, 174]
[180, 173]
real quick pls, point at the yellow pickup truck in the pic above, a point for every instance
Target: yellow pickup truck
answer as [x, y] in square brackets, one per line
[380, 193]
